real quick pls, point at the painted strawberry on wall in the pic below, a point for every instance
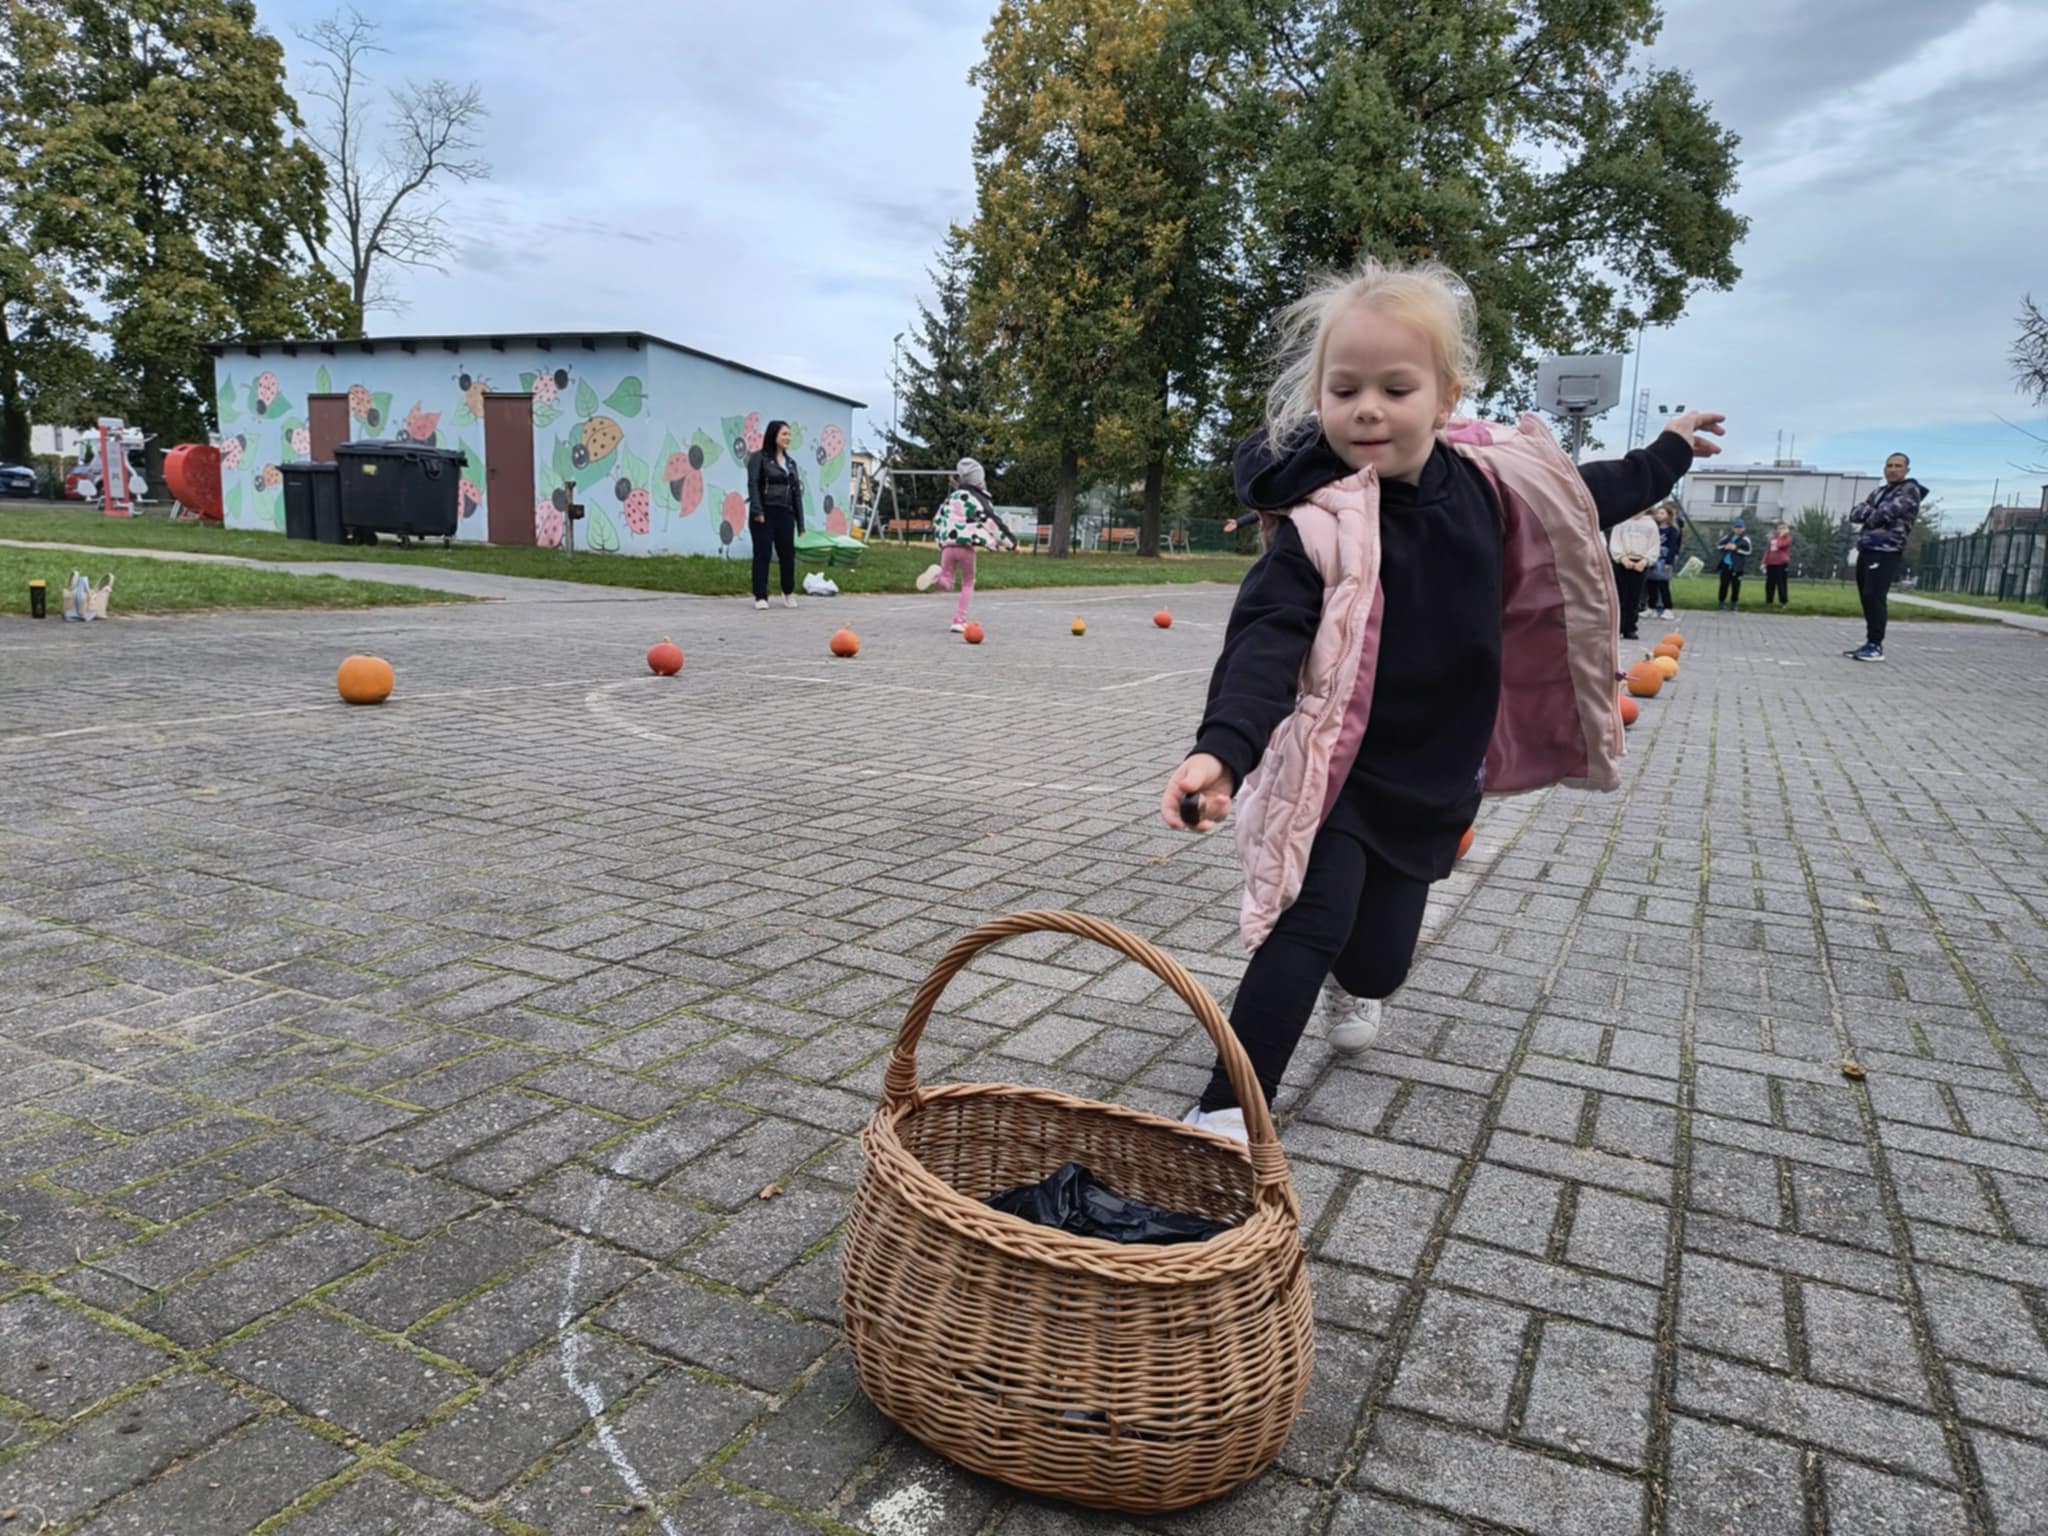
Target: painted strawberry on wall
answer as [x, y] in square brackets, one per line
[835, 516]
[830, 442]
[266, 392]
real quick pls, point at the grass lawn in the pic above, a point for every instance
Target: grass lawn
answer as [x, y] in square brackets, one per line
[1989, 604]
[886, 567]
[174, 586]
[1809, 599]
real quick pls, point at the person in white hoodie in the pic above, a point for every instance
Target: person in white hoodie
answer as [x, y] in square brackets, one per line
[1635, 546]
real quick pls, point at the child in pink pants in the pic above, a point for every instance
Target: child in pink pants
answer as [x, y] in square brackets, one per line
[966, 522]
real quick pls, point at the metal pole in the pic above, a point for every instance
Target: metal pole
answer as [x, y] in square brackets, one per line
[1635, 378]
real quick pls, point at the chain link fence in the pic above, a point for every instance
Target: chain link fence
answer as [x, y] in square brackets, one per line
[2011, 565]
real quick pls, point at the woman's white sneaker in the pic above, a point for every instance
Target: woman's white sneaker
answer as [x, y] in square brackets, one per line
[926, 577]
[761, 603]
[1218, 1122]
[1353, 1022]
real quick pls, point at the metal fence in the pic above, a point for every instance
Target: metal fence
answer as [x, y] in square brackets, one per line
[2012, 565]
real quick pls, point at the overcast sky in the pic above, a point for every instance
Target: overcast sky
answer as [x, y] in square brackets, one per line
[771, 186]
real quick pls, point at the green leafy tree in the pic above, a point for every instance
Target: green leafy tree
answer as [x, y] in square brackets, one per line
[1076, 237]
[1819, 543]
[165, 180]
[1518, 141]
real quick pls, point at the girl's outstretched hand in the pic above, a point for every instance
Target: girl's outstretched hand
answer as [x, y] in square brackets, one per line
[1693, 424]
[1203, 784]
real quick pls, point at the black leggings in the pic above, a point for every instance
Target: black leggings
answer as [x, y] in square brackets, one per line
[1659, 592]
[1874, 573]
[1355, 919]
[1731, 586]
[777, 535]
[1628, 586]
[1778, 582]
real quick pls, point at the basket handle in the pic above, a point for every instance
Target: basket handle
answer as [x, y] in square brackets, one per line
[899, 1083]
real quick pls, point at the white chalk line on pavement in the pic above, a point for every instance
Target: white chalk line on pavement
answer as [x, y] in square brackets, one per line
[587, 1392]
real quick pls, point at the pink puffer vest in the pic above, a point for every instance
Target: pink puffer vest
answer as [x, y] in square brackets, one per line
[1558, 723]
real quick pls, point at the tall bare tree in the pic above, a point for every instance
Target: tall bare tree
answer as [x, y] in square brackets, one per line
[384, 177]
[2030, 352]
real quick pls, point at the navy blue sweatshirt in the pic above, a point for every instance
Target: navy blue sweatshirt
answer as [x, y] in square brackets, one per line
[1436, 693]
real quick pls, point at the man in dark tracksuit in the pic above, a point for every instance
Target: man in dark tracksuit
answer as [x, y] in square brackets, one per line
[1735, 552]
[1886, 517]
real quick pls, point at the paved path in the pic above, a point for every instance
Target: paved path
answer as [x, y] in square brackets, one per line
[2038, 622]
[484, 584]
[389, 1092]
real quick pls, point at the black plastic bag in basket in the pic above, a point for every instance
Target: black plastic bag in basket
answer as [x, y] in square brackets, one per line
[1074, 1200]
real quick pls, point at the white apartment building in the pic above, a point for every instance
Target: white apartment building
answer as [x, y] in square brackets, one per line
[1770, 493]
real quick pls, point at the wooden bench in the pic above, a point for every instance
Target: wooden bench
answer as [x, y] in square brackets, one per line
[1114, 538]
[898, 527]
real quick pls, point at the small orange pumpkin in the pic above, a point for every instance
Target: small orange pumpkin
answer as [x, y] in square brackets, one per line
[1668, 665]
[973, 634]
[1163, 619]
[1629, 710]
[1666, 648]
[1080, 628]
[1674, 638]
[365, 680]
[1644, 679]
[1465, 842]
[845, 643]
[665, 659]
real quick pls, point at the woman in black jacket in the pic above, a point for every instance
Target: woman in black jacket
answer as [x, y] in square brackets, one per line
[775, 507]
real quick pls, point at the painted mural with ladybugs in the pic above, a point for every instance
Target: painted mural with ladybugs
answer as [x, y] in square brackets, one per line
[650, 442]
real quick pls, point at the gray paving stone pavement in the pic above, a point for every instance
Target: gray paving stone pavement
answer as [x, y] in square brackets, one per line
[386, 1096]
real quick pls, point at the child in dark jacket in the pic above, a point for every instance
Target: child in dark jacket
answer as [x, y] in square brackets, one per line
[1398, 562]
[1735, 551]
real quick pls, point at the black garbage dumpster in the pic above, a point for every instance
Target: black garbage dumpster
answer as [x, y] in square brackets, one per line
[405, 489]
[312, 502]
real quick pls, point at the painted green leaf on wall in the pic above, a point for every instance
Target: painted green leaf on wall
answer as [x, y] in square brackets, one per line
[564, 466]
[545, 416]
[591, 473]
[526, 382]
[323, 382]
[831, 470]
[796, 436]
[229, 411]
[586, 398]
[460, 416]
[712, 451]
[472, 466]
[231, 504]
[735, 430]
[601, 532]
[380, 412]
[633, 469]
[626, 398]
[272, 508]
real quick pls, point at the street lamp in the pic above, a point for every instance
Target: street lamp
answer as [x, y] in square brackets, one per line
[895, 375]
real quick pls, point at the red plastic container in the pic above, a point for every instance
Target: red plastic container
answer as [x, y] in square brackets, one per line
[192, 471]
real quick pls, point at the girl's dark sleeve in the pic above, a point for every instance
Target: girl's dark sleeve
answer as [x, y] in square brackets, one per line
[1252, 689]
[1625, 486]
[754, 508]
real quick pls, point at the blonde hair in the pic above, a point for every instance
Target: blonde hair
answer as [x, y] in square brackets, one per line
[1428, 295]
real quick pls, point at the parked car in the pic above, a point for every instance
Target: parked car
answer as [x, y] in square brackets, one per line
[17, 480]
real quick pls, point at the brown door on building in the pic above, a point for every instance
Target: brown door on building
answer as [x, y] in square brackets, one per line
[508, 467]
[327, 424]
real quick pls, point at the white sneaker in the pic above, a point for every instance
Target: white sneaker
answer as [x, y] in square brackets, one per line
[789, 599]
[1667, 614]
[959, 629]
[1218, 1122]
[1353, 1022]
[926, 577]
[761, 603]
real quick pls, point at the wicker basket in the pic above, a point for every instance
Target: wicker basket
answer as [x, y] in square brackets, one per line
[1127, 1377]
